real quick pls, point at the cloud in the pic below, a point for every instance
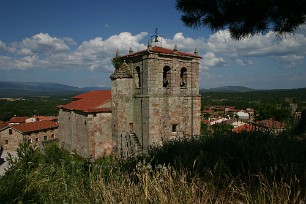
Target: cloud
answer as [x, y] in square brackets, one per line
[244, 63]
[211, 60]
[69, 41]
[97, 53]
[269, 45]
[45, 51]
[5, 48]
[290, 60]
[183, 43]
[49, 52]
[42, 43]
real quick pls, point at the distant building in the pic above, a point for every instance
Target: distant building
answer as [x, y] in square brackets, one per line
[243, 116]
[270, 125]
[244, 128]
[41, 118]
[17, 120]
[35, 133]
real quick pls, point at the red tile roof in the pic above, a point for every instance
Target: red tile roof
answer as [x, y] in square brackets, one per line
[90, 102]
[34, 126]
[271, 124]
[164, 51]
[3, 124]
[17, 120]
[243, 128]
[41, 117]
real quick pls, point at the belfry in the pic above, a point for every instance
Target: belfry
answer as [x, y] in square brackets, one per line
[154, 97]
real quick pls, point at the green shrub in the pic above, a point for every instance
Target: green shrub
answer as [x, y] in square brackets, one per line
[233, 168]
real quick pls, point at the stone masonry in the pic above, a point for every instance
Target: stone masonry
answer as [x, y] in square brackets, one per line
[155, 97]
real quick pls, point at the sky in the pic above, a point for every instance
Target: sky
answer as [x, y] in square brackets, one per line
[72, 42]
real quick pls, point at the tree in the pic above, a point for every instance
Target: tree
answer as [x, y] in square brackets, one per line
[244, 18]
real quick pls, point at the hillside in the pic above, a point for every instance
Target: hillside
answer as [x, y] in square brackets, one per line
[229, 89]
[17, 89]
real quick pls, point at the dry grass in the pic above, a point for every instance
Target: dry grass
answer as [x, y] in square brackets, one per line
[162, 185]
[219, 170]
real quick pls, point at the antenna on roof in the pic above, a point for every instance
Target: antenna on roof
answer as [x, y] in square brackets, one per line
[156, 38]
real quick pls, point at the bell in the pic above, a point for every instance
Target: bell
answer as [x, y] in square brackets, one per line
[156, 40]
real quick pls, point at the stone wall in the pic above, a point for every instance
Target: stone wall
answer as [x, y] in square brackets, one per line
[100, 135]
[73, 132]
[88, 135]
[10, 141]
[158, 109]
[122, 112]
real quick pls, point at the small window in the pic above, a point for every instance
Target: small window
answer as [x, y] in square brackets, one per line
[183, 78]
[138, 77]
[6, 141]
[45, 137]
[36, 139]
[174, 128]
[10, 131]
[131, 127]
[166, 76]
[52, 136]
[30, 141]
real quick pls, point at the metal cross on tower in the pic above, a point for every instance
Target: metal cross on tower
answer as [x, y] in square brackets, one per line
[156, 38]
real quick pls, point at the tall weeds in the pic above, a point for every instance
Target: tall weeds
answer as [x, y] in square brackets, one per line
[233, 168]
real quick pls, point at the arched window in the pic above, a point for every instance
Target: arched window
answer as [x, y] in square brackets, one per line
[166, 76]
[138, 77]
[183, 77]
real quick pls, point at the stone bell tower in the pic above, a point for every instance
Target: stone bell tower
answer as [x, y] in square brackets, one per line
[155, 97]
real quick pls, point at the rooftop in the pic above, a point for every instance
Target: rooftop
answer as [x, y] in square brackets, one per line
[34, 126]
[163, 50]
[90, 102]
[18, 119]
[243, 128]
[271, 124]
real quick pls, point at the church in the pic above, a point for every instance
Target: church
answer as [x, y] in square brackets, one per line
[154, 97]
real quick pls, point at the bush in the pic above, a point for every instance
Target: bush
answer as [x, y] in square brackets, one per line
[234, 168]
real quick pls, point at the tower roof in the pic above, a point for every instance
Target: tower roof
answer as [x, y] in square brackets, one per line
[163, 50]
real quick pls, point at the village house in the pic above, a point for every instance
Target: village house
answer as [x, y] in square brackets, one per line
[40, 118]
[35, 133]
[244, 128]
[154, 97]
[270, 125]
[17, 120]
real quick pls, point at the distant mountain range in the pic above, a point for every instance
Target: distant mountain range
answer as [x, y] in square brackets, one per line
[229, 89]
[18, 89]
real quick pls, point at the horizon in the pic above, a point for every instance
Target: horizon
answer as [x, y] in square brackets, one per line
[84, 87]
[73, 42]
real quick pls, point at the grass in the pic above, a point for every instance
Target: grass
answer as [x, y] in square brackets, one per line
[233, 168]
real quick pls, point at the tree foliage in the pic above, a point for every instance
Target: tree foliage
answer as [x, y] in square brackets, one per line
[117, 61]
[31, 106]
[244, 17]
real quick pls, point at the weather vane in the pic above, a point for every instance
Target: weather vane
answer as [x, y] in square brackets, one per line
[157, 38]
